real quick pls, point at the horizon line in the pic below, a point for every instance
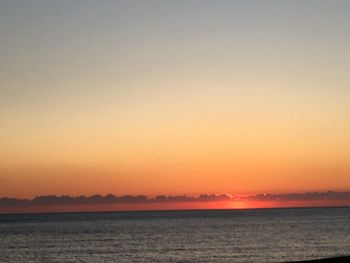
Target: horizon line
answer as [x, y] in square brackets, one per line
[142, 199]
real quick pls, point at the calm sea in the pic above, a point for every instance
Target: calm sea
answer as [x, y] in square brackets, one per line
[263, 235]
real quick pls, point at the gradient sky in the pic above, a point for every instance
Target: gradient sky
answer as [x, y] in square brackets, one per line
[174, 97]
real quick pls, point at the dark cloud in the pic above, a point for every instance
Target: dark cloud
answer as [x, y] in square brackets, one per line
[142, 199]
[5, 201]
[308, 196]
[108, 199]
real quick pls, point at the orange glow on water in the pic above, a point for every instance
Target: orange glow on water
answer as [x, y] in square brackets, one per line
[175, 206]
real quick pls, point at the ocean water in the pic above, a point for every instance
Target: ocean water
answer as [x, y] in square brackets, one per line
[263, 235]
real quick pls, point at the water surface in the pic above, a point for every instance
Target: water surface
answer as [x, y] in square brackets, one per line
[262, 235]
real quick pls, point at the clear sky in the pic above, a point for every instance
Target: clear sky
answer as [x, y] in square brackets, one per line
[174, 97]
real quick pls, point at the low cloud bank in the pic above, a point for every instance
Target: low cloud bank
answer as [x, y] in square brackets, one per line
[48, 200]
[309, 196]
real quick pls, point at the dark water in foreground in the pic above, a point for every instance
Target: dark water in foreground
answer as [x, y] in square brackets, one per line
[265, 235]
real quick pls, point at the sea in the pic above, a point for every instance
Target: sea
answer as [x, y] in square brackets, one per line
[257, 235]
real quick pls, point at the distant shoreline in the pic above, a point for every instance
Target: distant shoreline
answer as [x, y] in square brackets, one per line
[340, 259]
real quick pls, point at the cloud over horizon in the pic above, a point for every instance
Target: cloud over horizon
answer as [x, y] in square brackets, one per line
[47, 200]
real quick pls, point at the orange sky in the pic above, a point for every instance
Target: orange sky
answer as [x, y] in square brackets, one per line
[174, 98]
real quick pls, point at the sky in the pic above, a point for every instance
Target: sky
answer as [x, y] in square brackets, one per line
[174, 97]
